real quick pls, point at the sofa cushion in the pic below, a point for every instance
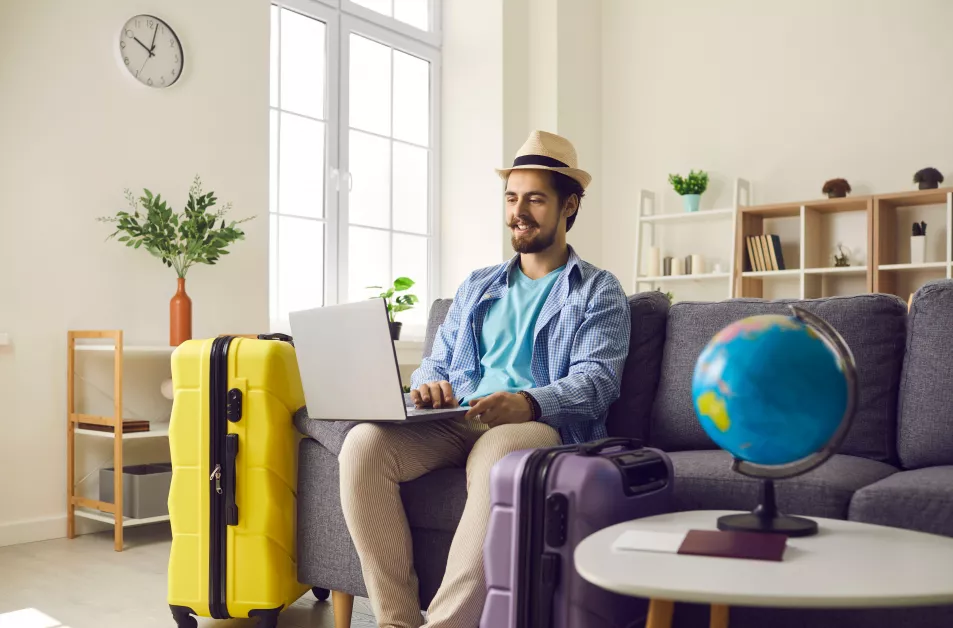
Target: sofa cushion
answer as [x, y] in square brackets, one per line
[917, 500]
[704, 481]
[873, 325]
[629, 415]
[926, 387]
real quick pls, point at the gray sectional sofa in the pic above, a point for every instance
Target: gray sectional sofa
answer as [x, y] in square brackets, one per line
[895, 467]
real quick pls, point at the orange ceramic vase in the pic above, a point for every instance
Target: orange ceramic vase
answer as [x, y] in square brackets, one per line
[180, 316]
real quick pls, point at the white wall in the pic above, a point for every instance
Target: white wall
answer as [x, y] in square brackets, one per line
[76, 130]
[471, 139]
[784, 94]
[509, 67]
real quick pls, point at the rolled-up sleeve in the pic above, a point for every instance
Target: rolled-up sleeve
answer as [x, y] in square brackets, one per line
[436, 366]
[597, 358]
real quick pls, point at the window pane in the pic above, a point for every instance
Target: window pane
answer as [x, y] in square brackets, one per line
[413, 12]
[300, 265]
[381, 6]
[301, 169]
[369, 80]
[369, 200]
[273, 74]
[368, 262]
[273, 161]
[410, 188]
[410, 260]
[302, 64]
[411, 98]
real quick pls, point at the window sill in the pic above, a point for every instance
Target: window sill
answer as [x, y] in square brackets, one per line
[409, 352]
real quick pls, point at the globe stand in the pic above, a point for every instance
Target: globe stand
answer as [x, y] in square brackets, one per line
[766, 518]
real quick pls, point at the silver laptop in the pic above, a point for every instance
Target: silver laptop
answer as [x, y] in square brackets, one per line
[349, 366]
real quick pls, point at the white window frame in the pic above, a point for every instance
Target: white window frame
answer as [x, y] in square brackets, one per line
[397, 42]
[341, 17]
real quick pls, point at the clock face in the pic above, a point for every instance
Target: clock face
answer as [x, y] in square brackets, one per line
[151, 51]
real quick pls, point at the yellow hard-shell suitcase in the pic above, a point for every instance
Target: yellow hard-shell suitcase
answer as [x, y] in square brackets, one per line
[234, 479]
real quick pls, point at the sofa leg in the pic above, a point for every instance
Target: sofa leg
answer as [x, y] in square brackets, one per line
[342, 605]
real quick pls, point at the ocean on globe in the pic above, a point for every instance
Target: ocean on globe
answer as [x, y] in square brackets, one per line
[770, 390]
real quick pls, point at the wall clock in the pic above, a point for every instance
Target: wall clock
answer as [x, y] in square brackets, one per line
[151, 51]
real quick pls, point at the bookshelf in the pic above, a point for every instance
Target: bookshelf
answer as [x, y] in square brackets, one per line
[875, 231]
[708, 232]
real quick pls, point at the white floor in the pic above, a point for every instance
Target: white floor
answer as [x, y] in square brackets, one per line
[83, 583]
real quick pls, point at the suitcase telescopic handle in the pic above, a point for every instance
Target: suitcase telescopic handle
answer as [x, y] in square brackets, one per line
[591, 449]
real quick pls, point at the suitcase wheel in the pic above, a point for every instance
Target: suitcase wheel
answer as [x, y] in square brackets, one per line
[183, 618]
[321, 594]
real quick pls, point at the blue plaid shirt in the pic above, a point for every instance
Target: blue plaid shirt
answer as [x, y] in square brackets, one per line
[580, 344]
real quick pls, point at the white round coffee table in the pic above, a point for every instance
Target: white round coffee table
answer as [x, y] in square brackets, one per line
[846, 565]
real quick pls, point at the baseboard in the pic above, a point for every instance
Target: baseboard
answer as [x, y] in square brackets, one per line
[32, 530]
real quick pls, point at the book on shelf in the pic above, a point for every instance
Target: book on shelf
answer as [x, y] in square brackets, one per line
[777, 257]
[766, 252]
[128, 427]
[752, 258]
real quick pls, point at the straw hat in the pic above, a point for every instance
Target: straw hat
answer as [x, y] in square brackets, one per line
[548, 151]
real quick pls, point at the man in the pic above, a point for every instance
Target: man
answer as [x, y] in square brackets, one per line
[535, 347]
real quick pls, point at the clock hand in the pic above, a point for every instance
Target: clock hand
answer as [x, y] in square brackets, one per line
[151, 54]
[143, 65]
[154, 33]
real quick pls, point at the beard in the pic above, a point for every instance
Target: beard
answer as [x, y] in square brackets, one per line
[539, 241]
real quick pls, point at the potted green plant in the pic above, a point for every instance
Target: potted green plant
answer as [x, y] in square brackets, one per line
[690, 188]
[402, 303]
[179, 239]
[836, 188]
[928, 178]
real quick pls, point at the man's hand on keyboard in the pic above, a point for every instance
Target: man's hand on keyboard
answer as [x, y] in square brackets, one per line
[434, 395]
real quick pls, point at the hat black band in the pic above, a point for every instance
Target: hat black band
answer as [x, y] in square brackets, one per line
[538, 160]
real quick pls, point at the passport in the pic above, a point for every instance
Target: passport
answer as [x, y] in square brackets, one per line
[729, 544]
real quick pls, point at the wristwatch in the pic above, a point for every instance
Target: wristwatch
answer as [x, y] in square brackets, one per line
[533, 404]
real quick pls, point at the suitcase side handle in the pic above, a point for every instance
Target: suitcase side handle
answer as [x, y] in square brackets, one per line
[591, 449]
[281, 337]
[231, 479]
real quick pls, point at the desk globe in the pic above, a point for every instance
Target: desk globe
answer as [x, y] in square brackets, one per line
[778, 393]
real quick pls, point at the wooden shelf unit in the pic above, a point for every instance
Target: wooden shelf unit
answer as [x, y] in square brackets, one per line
[891, 271]
[77, 506]
[883, 270]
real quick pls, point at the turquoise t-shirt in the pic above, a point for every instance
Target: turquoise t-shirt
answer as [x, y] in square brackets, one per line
[506, 340]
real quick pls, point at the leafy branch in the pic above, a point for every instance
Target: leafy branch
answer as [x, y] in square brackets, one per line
[179, 239]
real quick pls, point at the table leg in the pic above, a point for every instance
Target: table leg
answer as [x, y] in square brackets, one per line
[719, 616]
[660, 614]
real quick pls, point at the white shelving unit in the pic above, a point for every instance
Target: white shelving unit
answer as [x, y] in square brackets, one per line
[649, 219]
[77, 506]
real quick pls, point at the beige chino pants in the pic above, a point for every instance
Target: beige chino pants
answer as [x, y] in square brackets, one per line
[374, 461]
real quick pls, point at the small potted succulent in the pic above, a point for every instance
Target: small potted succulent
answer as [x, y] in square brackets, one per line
[836, 188]
[690, 188]
[402, 303]
[928, 178]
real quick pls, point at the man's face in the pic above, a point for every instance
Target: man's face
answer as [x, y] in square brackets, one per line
[533, 211]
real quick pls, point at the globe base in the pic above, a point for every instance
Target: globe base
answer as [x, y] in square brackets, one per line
[766, 518]
[779, 524]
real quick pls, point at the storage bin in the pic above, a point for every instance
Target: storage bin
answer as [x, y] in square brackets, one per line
[145, 489]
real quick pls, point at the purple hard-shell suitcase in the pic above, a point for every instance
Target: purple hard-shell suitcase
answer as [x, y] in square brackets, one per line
[544, 502]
